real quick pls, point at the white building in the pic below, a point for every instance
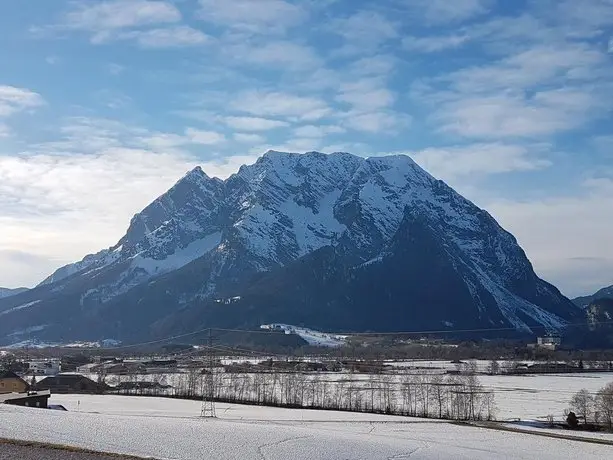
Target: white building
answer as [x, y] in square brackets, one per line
[550, 342]
[44, 367]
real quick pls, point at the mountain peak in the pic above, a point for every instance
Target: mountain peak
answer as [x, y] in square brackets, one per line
[196, 174]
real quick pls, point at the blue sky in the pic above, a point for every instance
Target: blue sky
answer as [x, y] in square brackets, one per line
[104, 104]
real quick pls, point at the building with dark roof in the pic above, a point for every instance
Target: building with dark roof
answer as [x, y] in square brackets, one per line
[38, 399]
[71, 383]
[12, 383]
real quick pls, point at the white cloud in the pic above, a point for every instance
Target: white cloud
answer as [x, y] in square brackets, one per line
[312, 131]
[537, 65]
[254, 123]
[249, 138]
[78, 204]
[169, 141]
[294, 145]
[434, 43]
[364, 31]
[375, 122]
[13, 99]
[262, 16]
[366, 94]
[381, 65]
[275, 103]
[515, 115]
[197, 136]
[87, 187]
[474, 159]
[539, 91]
[583, 17]
[120, 14]
[567, 237]
[447, 11]
[170, 37]
[284, 54]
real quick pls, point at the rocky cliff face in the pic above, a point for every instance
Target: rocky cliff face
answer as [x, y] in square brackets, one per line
[336, 241]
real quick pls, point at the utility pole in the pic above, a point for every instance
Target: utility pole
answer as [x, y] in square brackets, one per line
[208, 393]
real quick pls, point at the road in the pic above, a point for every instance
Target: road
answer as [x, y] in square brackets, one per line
[11, 450]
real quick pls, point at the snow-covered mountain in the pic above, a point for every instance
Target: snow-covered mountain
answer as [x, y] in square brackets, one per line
[7, 292]
[339, 215]
[604, 293]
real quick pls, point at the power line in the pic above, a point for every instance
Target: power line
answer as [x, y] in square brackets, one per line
[349, 334]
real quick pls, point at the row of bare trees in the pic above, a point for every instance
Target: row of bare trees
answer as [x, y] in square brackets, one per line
[431, 395]
[596, 408]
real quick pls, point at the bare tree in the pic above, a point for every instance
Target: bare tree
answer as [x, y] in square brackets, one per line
[582, 403]
[604, 404]
[493, 367]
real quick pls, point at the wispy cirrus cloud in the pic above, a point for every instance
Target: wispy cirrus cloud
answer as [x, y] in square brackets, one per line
[482, 159]
[120, 14]
[253, 123]
[148, 23]
[287, 55]
[275, 103]
[249, 138]
[253, 16]
[363, 32]
[434, 44]
[317, 131]
[540, 91]
[444, 11]
[169, 37]
[14, 99]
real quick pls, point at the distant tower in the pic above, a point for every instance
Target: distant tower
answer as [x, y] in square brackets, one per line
[208, 393]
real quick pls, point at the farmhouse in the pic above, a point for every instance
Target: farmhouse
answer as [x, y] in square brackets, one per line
[12, 383]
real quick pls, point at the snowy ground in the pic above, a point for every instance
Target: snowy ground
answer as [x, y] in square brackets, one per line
[171, 429]
[525, 397]
[533, 397]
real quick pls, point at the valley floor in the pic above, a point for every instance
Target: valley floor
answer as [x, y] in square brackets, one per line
[172, 429]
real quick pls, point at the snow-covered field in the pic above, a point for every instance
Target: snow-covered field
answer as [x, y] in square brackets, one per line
[525, 397]
[172, 429]
[533, 397]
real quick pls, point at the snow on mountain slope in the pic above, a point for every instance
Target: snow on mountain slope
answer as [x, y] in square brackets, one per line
[312, 337]
[19, 307]
[286, 206]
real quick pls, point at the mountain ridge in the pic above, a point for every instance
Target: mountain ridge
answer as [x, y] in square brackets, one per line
[8, 292]
[604, 293]
[206, 238]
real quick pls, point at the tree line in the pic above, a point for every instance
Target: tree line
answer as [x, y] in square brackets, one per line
[592, 409]
[425, 394]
